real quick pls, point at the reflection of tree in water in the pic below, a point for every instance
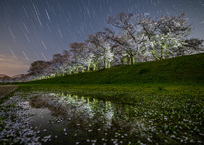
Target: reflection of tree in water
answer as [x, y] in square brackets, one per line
[97, 117]
[80, 109]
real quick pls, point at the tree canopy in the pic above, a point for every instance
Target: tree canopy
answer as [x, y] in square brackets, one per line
[128, 39]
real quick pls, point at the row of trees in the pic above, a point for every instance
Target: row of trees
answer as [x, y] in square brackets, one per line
[132, 39]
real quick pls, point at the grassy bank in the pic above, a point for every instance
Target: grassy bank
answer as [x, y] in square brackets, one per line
[181, 76]
[171, 77]
[185, 70]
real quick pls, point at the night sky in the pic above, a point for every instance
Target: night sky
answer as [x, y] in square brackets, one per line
[33, 30]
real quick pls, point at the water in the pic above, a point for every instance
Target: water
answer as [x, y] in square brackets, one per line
[71, 119]
[60, 118]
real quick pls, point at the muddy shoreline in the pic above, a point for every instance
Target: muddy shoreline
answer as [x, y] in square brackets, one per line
[6, 89]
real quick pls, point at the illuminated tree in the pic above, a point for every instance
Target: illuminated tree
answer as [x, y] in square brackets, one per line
[101, 49]
[191, 46]
[82, 55]
[164, 35]
[135, 38]
[128, 38]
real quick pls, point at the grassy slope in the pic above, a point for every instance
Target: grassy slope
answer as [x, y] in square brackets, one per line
[186, 70]
[181, 76]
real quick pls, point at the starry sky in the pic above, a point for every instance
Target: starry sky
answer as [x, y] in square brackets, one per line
[33, 30]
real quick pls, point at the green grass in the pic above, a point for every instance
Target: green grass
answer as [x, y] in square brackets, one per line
[185, 70]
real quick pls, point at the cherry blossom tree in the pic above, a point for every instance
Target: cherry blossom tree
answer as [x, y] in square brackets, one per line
[82, 54]
[37, 68]
[164, 35]
[128, 38]
[191, 46]
[134, 38]
[101, 49]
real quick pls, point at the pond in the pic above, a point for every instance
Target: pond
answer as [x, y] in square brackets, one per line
[51, 118]
[58, 118]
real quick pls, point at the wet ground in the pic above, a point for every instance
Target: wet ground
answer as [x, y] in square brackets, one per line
[6, 89]
[69, 119]
[60, 118]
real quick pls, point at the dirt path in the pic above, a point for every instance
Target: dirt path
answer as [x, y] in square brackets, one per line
[6, 89]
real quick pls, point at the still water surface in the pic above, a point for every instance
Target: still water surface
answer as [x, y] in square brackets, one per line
[60, 118]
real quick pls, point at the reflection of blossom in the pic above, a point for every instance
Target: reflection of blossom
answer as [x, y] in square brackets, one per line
[89, 110]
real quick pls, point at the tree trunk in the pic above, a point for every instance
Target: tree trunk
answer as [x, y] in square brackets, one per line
[131, 59]
[109, 64]
[105, 64]
[155, 56]
[161, 54]
[124, 60]
[94, 67]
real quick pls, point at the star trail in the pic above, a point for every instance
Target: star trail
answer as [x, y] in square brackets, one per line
[33, 30]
